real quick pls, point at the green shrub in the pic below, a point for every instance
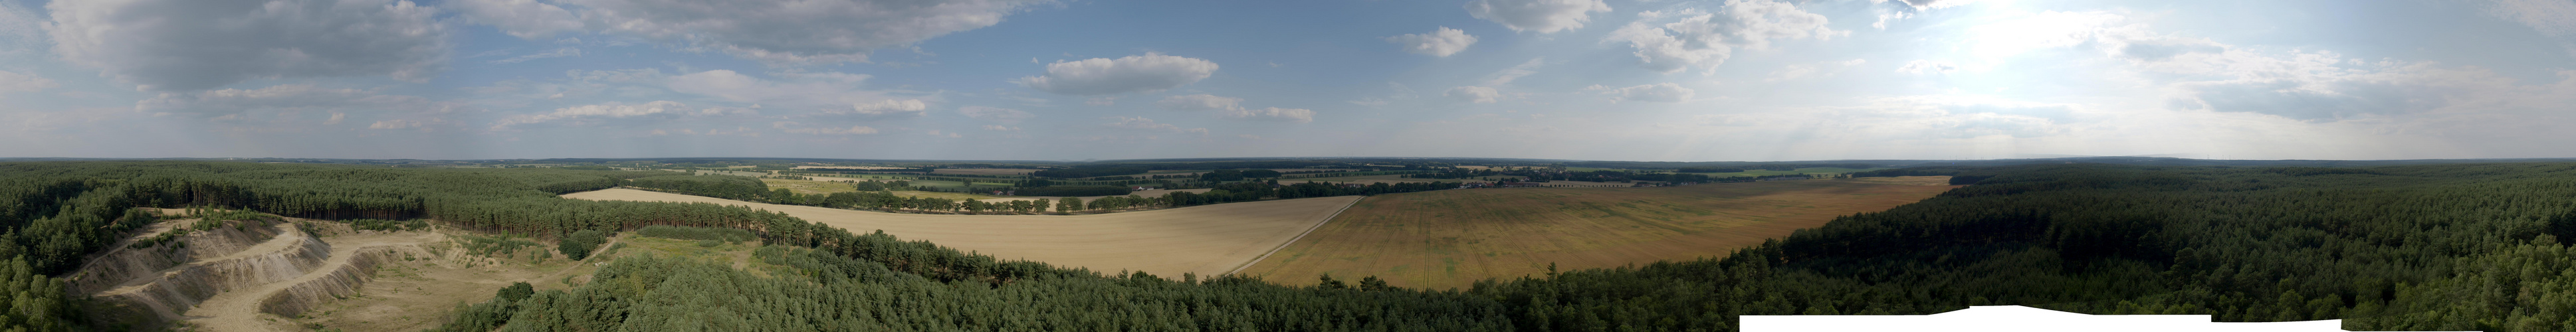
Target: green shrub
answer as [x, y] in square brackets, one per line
[578, 245]
[387, 225]
[697, 233]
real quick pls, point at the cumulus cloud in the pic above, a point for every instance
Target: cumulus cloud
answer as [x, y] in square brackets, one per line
[793, 128]
[1298, 115]
[995, 114]
[1705, 40]
[1927, 67]
[526, 19]
[1199, 102]
[1659, 92]
[1473, 94]
[1143, 123]
[16, 82]
[190, 45]
[796, 31]
[1135, 73]
[557, 53]
[1001, 128]
[1543, 16]
[1441, 42]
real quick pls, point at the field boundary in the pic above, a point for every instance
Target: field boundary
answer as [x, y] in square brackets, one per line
[1300, 236]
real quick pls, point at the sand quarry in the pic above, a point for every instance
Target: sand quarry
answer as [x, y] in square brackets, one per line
[1204, 240]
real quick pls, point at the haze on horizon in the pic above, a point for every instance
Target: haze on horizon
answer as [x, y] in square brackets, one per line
[1739, 80]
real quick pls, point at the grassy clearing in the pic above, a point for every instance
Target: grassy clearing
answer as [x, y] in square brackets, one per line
[1450, 238]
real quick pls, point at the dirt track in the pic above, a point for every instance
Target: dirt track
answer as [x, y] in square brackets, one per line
[1205, 240]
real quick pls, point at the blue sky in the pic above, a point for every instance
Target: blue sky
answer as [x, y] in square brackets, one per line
[1076, 80]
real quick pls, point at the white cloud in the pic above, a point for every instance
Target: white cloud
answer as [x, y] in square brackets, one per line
[1543, 16]
[1659, 92]
[1927, 67]
[16, 82]
[797, 31]
[527, 19]
[282, 98]
[1001, 128]
[21, 30]
[1793, 72]
[190, 45]
[396, 124]
[1929, 4]
[590, 114]
[1199, 102]
[1298, 115]
[1149, 124]
[832, 93]
[2553, 17]
[995, 114]
[1440, 42]
[1135, 73]
[793, 128]
[1706, 40]
[885, 109]
[1473, 94]
[557, 53]
[1507, 75]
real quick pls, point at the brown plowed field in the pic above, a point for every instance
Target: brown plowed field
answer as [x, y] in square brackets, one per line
[1451, 238]
[1206, 240]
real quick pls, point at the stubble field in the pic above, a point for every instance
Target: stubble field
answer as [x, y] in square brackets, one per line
[1451, 238]
[1205, 240]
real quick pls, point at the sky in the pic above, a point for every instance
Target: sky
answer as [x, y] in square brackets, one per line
[1665, 80]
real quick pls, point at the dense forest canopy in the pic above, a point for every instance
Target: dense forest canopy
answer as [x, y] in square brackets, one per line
[2439, 246]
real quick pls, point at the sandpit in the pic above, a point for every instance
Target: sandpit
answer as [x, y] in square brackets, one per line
[1204, 240]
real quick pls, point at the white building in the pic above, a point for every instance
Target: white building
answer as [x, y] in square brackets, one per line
[2020, 318]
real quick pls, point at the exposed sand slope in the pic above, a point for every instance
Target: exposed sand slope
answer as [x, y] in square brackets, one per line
[1451, 238]
[1205, 240]
[239, 310]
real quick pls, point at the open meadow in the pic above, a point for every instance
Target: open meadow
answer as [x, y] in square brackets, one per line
[1206, 240]
[1451, 238]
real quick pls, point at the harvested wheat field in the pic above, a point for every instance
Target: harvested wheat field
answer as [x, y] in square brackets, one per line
[1451, 238]
[1206, 240]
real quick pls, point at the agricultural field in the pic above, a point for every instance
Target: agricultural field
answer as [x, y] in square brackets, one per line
[1367, 179]
[1451, 238]
[984, 171]
[1205, 240]
[1809, 170]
